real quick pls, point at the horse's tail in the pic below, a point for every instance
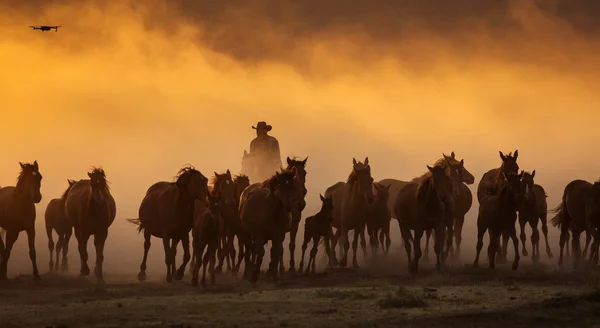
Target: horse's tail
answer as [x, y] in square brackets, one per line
[138, 223]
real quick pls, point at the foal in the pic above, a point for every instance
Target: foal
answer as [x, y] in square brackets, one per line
[207, 235]
[498, 213]
[315, 227]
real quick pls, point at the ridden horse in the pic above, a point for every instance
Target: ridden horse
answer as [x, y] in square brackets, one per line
[206, 234]
[241, 182]
[315, 227]
[498, 214]
[378, 225]
[17, 213]
[462, 201]
[576, 213]
[532, 209]
[426, 203]
[56, 219]
[167, 212]
[90, 210]
[351, 201]
[265, 214]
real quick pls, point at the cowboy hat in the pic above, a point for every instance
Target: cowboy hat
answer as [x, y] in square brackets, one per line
[262, 126]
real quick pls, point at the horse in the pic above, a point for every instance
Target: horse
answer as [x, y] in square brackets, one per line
[462, 201]
[17, 213]
[265, 214]
[206, 235]
[224, 188]
[498, 213]
[593, 221]
[578, 203]
[426, 203]
[167, 212]
[351, 201]
[532, 209]
[241, 182]
[56, 219]
[378, 225]
[91, 210]
[315, 227]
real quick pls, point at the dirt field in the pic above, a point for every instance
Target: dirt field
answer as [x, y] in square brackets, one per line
[462, 297]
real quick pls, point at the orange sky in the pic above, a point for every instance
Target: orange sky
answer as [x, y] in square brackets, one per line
[144, 90]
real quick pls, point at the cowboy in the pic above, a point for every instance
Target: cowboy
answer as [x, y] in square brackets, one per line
[265, 152]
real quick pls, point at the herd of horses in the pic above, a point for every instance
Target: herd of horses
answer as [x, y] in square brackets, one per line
[229, 208]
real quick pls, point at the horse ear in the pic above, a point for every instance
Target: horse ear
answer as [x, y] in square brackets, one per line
[89, 175]
[502, 156]
[245, 152]
[533, 174]
[228, 172]
[445, 157]
[289, 161]
[216, 174]
[305, 160]
[353, 161]
[462, 161]
[452, 155]
[430, 168]
[322, 198]
[35, 164]
[516, 154]
[522, 171]
[22, 165]
[367, 160]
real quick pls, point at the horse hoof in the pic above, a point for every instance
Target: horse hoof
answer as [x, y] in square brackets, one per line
[36, 277]
[194, 282]
[85, 271]
[549, 254]
[169, 278]
[475, 265]
[292, 270]
[515, 266]
[142, 276]
[219, 269]
[179, 275]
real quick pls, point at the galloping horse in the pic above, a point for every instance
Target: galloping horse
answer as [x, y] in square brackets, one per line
[90, 210]
[351, 201]
[265, 213]
[17, 213]
[315, 227]
[56, 219]
[426, 203]
[167, 212]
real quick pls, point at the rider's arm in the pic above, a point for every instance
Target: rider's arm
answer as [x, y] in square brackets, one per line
[275, 151]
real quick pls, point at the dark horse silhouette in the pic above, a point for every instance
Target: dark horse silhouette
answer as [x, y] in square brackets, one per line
[91, 210]
[56, 220]
[167, 212]
[17, 213]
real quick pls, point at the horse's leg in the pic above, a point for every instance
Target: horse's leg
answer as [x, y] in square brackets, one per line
[448, 237]
[65, 248]
[82, 241]
[59, 246]
[535, 241]
[2, 247]
[513, 236]
[185, 244]
[459, 221]
[568, 244]
[174, 243]
[355, 247]
[11, 238]
[99, 241]
[241, 251]
[503, 255]
[405, 231]
[51, 247]
[313, 253]
[382, 235]
[212, 247]
[543, 219]
[248, 263]
[334, 241]
[147, 244]
[588, 239]
[493, 247]
[373, 240]
[363, 243]
[307, 238]
[345, 243]
[259, 253]
[438, 246]
[277, 248]
[205, 260]
[564, 237]
[576, 248]
[167, 246]
[198, 249]
[296, 217]
[193, 260]
[328, 250]
[229, 251]
[481, 229]
[417, 244]
[522, 223]
[221, 253]
[427, 237]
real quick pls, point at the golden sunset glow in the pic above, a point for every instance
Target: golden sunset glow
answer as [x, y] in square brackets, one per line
[141, 90]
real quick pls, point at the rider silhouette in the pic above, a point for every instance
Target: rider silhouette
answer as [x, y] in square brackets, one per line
[264, 150]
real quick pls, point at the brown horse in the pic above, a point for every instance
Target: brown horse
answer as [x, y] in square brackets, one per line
[265, 214]
[378, 225]
[462, 201]
[206, 233]
[315, 227]
[224, 188]
[498, 213]
[17, 213]
[351, 201]
[532, 209]
[575, 214]
[241, 182]
[167, 212]
[90, 210]
[426, 203]
[593, 221]
[56, 219]
[493, 180]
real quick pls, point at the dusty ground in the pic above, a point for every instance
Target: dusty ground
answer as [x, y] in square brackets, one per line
[462, 297]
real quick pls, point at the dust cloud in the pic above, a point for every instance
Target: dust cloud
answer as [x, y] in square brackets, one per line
[142, 89]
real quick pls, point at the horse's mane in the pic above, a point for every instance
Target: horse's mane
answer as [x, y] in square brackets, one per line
[352, 176]
[184, 170]
[240, 177]
[100, 171]
[25, 169]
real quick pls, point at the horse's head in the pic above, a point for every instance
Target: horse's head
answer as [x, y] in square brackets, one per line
[459, 168]
[361, 178]
[288, 189]
[214, 208]
[509, 163]
[223, 185]
[382, 193]
[30, 180]
[98, 184]
[527, 185]
[193, 183]
[71, 184]
[300, 166]
[513, 183]
[442, 181]
[241, 182]
[327, 208]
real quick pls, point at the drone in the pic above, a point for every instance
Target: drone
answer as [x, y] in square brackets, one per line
[45, 28]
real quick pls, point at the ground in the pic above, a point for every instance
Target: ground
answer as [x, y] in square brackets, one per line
[460, 297]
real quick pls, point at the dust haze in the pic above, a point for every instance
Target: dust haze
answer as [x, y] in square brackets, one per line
[142, 89]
